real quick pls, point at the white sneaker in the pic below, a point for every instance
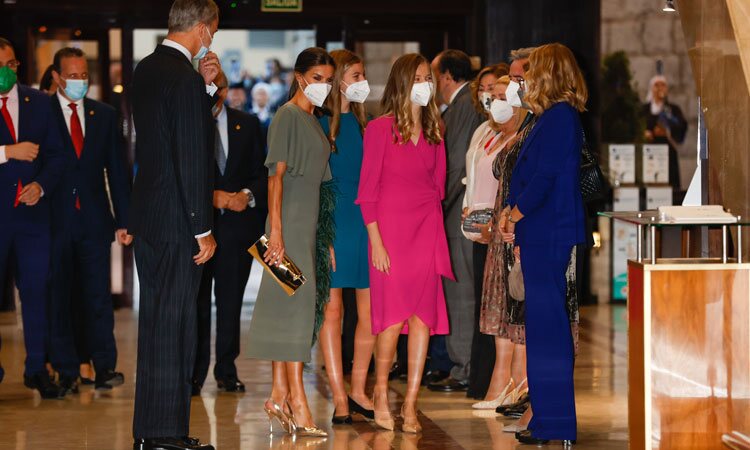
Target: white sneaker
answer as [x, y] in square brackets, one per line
[513, 428]
[502, 399]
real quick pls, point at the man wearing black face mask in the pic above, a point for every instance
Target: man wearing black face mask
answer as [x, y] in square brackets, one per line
[171, 218]
[239, 200]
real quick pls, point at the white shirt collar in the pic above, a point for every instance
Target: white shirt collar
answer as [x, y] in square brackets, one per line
[455, 93]
[222, 117]
[64, 102]
[177, 46]
[12, 94]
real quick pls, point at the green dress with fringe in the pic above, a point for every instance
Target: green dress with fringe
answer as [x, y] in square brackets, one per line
[284, 328]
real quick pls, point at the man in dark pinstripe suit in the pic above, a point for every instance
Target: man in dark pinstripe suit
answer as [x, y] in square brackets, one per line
[171, 218]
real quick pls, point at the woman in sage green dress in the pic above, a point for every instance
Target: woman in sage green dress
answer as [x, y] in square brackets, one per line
[283, 327]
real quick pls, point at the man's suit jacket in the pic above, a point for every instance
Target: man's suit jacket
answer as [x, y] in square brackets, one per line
[35, 124]
[461, 120]
[85, 179]
[545, 185]
[245, 169]
[173, 188]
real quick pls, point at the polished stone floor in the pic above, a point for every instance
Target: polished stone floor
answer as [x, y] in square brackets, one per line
[99, 421]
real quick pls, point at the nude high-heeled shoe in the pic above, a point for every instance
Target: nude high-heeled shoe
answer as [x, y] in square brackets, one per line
[410, 425]
[300, 431]
[503, 399]
[383, 419]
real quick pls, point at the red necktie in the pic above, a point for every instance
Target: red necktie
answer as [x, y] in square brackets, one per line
[8, 119]
[76, 135]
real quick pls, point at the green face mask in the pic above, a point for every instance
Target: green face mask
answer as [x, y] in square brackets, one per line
[7, 79]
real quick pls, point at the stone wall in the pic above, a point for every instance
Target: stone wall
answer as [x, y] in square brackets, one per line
[647, 34]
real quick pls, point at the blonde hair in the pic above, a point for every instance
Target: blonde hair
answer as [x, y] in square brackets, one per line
[396, 101]
[554, 77]
[499, 70]
[344, 59]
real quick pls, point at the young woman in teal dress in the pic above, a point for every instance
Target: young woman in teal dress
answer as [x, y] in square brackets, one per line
[344, 128]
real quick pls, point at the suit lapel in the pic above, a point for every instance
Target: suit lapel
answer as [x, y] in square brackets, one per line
[89, 136]
[25, 113]
[233, 134]
[60, 119]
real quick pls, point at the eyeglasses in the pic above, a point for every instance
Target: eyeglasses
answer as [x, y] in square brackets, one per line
[12, 64]
[517, 78]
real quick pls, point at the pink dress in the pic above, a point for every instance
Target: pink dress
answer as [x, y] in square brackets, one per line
[401, 188]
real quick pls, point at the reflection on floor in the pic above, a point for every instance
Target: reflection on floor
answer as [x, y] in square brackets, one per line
[99, 421]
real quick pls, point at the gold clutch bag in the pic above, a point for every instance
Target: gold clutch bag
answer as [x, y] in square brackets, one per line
[287, 274]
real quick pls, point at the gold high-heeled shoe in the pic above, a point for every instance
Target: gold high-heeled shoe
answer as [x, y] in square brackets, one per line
[383, 419]
[411, 426]
[277, 412]
[300, 431]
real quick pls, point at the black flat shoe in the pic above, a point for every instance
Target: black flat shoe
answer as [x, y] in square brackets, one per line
[522, 402]
[341, 420]
[87, 381]
[69, 385]
[355, 407]
[230, 385]
[46, 387]
[170, 444]
[107, 379]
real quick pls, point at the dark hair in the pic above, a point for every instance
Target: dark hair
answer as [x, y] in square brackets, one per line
[46, 82]
[67, 52]
[237, 86]
[4, 43]
[306, 60]
[457, 63]
[185, 14]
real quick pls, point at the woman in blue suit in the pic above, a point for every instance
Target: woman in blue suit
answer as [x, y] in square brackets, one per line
[545, 218]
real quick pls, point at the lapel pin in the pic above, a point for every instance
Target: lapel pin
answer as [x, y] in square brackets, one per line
[91, 113]
[26, 99]
[237, 127]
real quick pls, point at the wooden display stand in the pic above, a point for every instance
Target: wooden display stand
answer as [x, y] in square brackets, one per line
[689, 347]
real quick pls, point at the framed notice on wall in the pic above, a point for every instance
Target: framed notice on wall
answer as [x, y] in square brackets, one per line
[622, 163]
[657, 196]
[281, 5]
[655, 163]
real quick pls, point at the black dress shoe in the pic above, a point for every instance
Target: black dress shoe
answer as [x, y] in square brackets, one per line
[69, 385]
[185, 443]
[87, 381]
[355, 407]
[516, 411]
[525, 437]
[449, 385]
[397, 371]
[196, 388]
[107, 379]
[230, 385]
[46, 387]
[341, 420]
[434, 376]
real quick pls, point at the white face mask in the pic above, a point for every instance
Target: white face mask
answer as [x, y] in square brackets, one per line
[421, 93]
[485, 100]
[317, 92]
[511, 94]
[501, 111]
[357, 92]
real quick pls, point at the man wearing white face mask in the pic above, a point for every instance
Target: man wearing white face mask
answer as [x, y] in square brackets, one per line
[83, 228]
[171, 217]
[453, 68]
[519, 64]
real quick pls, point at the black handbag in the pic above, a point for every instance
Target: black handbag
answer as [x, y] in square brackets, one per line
[593, 184]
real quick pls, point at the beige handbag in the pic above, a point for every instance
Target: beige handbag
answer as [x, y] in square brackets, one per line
[515, 283]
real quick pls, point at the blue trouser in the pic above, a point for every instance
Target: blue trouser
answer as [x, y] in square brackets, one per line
[81, 285]
[549, 342]
[30, 246]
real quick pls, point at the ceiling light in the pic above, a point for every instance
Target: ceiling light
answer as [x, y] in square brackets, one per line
[669, 6]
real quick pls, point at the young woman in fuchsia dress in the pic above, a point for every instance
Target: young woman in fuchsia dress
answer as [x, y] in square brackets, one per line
[401, 186]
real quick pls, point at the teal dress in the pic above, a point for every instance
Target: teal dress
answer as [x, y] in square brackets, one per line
[350, 243]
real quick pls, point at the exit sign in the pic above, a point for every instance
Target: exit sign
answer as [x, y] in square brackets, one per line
[281, 6]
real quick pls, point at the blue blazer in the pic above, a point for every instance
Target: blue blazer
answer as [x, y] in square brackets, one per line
[35, 124]
[84, 177]
[545, 185]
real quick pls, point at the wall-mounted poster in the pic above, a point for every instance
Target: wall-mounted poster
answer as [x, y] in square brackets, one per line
[624, 240]
[622, 164]
[655, 163]
[657, 196]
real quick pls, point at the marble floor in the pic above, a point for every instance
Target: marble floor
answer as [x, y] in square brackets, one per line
[93, 420]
